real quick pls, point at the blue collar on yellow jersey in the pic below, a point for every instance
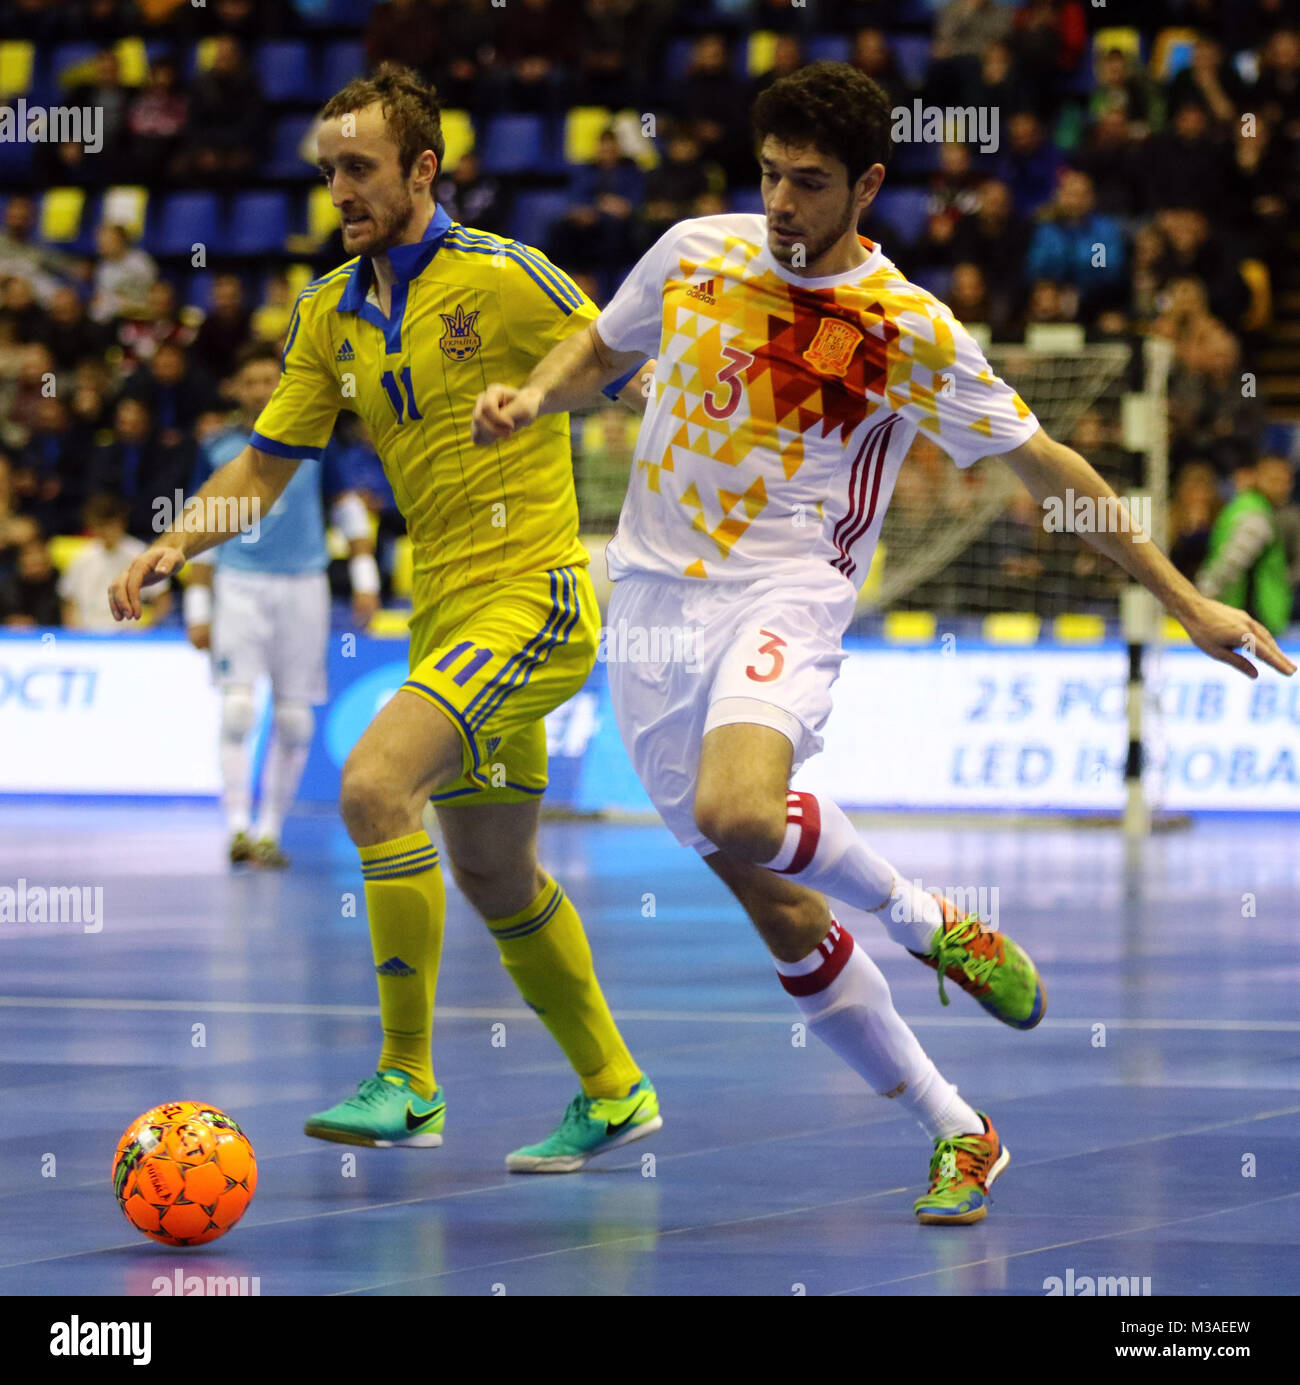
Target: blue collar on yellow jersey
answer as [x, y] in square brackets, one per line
[407, 261]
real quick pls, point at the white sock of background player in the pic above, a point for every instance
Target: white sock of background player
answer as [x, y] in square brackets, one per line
[286, 758]
[238, 715]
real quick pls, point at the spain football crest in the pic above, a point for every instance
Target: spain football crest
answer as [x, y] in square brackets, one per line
[460, 341]
[832, 348]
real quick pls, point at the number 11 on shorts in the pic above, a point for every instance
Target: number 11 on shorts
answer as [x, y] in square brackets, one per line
[772, 649]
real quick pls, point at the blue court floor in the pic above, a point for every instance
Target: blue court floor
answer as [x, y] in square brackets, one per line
[1153, 1119]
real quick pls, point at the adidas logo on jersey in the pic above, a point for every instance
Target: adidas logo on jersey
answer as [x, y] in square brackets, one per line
[346, 353]
[704, 291]
[394, 967]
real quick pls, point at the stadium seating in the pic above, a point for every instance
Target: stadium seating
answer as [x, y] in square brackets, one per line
[286, 71]
[515, 144]
[343, 61]
[534, 213]
[258, 223]
[286, 161]
[183, 220]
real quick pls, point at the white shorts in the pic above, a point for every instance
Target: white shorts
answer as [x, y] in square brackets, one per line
[687, 656]
[271, 624]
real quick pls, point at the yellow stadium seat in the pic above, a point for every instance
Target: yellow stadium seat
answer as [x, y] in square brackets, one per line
[299, 276]
[910, 627]
[1079, 629]
[1174, 632]
[1012, 627]
[64, 548]
[125, 206]
[403, 567]
[1129, 40]
[204, 52]
[17, 57]
[1168, 45]
[132, 62]
[1259, 314]
[61, 211]
[322, 215]
[457, 136]
[583, 128]
[761, 54]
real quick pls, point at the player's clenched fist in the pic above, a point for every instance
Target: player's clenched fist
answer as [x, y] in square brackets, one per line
[153, 565]
[500, 411]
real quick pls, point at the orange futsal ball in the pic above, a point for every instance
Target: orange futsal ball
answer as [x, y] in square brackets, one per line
[184, 1173]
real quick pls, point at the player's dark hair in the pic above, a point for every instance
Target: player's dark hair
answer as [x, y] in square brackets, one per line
[832, 107]
[103, 508]
[256, 351]
[410, 108]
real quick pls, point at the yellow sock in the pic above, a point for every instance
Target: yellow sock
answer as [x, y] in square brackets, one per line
[545, 950]
[406, 904]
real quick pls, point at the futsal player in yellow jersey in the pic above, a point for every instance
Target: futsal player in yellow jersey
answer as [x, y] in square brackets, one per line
[505, 621]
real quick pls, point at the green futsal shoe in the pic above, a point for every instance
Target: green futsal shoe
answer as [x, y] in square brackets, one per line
[962, 1170]
[591, 1126]
[992, 968]
[385, 1113]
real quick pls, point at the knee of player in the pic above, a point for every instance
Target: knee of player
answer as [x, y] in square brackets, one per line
[238, 712]
[295, 723]
[365, 795]
[750, 831]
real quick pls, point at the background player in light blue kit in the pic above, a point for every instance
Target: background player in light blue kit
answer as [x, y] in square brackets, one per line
[262, 605]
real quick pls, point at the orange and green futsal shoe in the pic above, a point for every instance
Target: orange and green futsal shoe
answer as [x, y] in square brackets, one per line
[962, 1170]
[989, 966]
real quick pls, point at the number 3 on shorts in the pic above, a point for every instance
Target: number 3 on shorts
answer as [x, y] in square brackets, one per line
[772, 648]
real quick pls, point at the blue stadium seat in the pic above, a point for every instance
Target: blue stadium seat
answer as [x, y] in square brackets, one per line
[68, 55]
[745, 200]
[341, 14]
[285, 160]
[514, 144]
[199, 292]
[344, 61]
[827, 47]
[534, 213]
[676, 59]
[912, 52]
[285, 69]
[259, 223]
[15, 159]
[183, 220]
[902, 211]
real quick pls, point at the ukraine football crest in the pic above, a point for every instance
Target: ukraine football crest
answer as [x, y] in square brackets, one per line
[460, 341]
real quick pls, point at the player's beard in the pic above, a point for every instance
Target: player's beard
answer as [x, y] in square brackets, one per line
[814, 249]
[389, 228]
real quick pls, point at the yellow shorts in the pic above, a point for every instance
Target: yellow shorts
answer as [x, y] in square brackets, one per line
[497, 658]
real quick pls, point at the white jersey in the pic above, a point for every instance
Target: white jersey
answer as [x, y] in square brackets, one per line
[783, 406]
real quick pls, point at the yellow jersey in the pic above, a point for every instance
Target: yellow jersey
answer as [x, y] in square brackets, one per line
[468, 308]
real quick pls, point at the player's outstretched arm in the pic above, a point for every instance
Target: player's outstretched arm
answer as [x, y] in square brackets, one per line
[232, 499]
[570, 376]
[1049, 469]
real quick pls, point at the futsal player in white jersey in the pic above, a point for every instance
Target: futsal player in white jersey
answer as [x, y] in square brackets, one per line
[261, 603]
[795, 365]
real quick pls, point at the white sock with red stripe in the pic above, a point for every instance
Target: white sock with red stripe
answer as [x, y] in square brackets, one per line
[846, 1001]
[823, 851]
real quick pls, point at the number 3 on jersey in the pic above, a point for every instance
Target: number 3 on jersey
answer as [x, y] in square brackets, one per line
[738, 361]
[400, 405]
[772, 648]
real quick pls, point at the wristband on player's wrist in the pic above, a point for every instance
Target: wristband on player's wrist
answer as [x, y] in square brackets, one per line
[364, 574]
[196, 604]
